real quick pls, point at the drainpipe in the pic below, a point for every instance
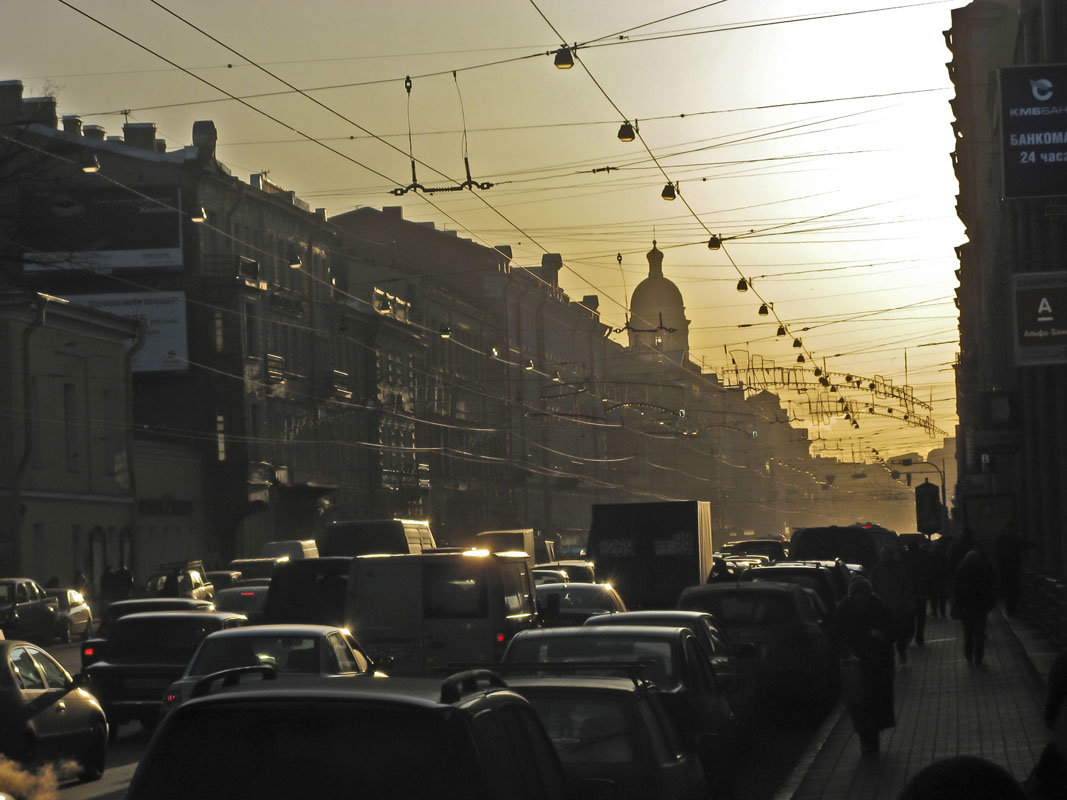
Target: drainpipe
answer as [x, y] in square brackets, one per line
[27, 436]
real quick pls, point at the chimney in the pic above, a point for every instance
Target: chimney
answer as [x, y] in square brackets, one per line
[41, 110]
[394, 212]
[10, 102]
[72, 124]
[321, 214]
[592, 302]
[141, 135]
[94, 132]
[551, 263]
[504, 250]
[161, 145]
[205, 137]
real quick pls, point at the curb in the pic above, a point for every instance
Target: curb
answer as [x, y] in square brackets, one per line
[792, 784]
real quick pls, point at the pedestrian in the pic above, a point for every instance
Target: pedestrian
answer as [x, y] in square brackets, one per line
[959, 549]
[891, 581]
[863, 625]
[962, 778]
[107, 585]
[972, 600]
[123, 582]
[917, 561]
[53, 582]
[939, 577]
[1048, 778]
[1008, 558]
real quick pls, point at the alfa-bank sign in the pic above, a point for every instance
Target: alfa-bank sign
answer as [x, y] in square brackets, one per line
[1033, 102]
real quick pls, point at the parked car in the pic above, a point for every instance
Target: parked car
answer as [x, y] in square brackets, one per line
[809, 574]
[179, 579]
[247, 600]
[285, 650]
[94, 649]
[574, 603]
[469, 736]
[774, 549]
[673, 659]
[73, 615]
[733, 676]
[26, 612]
[222, 578]
[775, 627]
[45, 717]
[145, 654]
[615, 729]
[432, 610]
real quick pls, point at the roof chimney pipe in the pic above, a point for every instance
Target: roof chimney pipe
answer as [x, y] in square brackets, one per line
[141, 135]
[10, 102]
[94, 132]
[72, 124]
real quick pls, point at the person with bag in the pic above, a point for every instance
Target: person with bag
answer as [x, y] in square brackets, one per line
[973, 598]
[863, 625]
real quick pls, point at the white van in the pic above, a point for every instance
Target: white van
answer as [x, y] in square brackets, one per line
[431, 610]
[295, 549]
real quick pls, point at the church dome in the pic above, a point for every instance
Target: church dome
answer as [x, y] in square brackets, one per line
[657, 313]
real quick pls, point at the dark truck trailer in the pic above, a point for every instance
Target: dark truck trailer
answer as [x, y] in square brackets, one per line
[651, 551]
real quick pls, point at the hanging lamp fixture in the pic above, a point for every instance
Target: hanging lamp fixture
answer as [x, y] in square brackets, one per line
[626, 132]
[669, 192]
[564, 59]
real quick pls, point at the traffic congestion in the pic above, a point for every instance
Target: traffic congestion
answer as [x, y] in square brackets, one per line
[663, 667]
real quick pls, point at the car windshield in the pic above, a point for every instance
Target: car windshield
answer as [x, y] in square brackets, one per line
[7, 593]
[744, 608]
[331, 749]
[157, 640]
[657, 655]
[294, 654]
[585, 730]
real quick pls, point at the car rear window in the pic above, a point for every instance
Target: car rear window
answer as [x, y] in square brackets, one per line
[296, 654]
[157, 641]
[657, 655]
[748, 608]
[806, 580]
[590, 598]
[585, 730]
[454, 588]
[333, 749]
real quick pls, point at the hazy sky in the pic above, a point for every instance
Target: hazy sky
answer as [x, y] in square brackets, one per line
[813, 136]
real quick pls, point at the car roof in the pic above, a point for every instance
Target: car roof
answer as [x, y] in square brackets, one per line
[663, 632]
[275, 630]
[573, 683]
[159, 601]
[667, 613]
[196, 616]
[767, 587]
[18, 580]
[582, 586]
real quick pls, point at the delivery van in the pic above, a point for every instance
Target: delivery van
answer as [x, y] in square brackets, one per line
[374, 536]
[427, 611]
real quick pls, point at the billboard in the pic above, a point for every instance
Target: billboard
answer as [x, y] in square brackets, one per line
[102, 229]
[163, 315]
[1040, 318]
[1033, 111]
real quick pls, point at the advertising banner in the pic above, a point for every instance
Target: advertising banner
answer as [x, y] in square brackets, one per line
[163, 314]
[1040, 318]
[1033, 107]
[102, 229]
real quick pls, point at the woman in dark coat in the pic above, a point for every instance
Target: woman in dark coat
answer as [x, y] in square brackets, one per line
[863, 624]
[972, 600]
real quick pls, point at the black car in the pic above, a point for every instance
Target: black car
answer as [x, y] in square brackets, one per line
[733, 676]
[672, 658]
[775, 549]
[615, 729]
[809, 574]
[468, 736]
[145, 654]
[26, 612]
[93, 650]
[576, 602]
[45, 717]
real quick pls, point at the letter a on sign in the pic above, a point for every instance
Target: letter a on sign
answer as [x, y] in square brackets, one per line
[1044, 307]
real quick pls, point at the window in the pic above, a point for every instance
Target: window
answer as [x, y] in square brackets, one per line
[54, 674]
[343, 654]
[220, 434]
[70, 422]
[516, 598]
[27, 675]
[35, 424]
[219, 340]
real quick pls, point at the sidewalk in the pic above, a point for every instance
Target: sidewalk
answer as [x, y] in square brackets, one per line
[945, 707]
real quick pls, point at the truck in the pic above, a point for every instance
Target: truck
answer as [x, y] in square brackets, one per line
[523, 540]
[651, 551]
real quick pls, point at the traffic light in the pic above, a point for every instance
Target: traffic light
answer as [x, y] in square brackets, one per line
[927, 507]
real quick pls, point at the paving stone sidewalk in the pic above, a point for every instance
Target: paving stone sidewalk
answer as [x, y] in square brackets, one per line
[945, 707]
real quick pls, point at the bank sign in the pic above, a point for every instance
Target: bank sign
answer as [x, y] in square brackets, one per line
[1040, 318]
[1033, 105]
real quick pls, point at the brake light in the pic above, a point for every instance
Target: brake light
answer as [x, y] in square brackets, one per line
[88, 651]
[170, 697]
[248, 594]
[500, 638]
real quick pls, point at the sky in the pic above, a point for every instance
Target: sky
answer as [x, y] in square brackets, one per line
[812, 137]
